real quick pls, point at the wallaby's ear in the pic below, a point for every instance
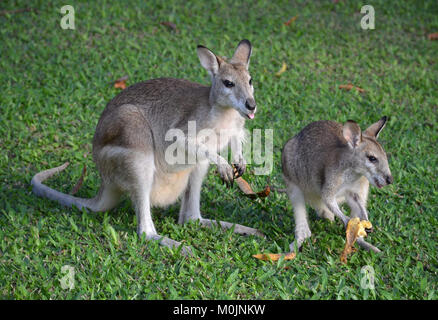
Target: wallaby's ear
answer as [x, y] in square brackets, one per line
[209, 60]
[351, 132]
[242, 53]
[374, 129]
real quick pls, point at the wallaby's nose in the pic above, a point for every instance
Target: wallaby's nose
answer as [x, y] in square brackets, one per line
[250, 104]
[389, 179]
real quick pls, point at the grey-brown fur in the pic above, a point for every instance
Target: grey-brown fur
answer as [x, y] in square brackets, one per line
[328, 163]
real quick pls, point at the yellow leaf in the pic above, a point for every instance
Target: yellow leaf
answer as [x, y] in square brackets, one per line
[282, 69]
[355, 229]
[274, 256]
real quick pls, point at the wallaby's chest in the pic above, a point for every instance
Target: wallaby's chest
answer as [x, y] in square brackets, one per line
[353, 185]
[224, 129]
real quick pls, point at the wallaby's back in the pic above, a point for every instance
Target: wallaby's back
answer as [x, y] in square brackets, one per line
[306, 156]
[155, 93]
[162, 104]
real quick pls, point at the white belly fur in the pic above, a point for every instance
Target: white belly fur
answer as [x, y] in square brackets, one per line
[168, 187]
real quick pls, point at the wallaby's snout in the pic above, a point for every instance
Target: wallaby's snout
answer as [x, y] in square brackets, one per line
[250, 104]
[383, 181]
[389, 179]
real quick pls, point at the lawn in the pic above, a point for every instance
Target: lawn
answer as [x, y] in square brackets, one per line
[56, 83]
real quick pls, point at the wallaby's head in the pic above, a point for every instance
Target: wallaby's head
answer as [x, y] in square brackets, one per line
[231, 81]
[369, 158]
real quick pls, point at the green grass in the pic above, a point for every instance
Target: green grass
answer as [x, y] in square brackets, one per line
[55, 84]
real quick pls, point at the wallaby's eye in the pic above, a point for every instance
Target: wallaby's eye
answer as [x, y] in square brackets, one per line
[228, 83]
[250, 82]
[372, 159]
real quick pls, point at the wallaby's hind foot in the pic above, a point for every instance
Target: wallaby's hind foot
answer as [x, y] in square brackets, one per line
[302, 230]
[243, 230]
[170, 243]
[367, 246]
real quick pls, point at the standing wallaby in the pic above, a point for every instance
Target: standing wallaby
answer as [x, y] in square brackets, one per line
[328, 163]
[129, 145]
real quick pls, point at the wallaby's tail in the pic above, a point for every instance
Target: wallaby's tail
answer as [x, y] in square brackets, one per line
[42, 190]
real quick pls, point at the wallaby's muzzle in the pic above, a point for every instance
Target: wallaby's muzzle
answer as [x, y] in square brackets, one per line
[389, 179]
[250, 104]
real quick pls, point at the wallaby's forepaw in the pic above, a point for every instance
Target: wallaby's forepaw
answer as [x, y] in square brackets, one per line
[226, 172]
[239, 168]
[345, 220]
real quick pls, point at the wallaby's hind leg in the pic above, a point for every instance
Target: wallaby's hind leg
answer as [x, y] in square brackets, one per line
[142, 168]
[133, 171]
[302, 230]
[107, 198]
[191, 200]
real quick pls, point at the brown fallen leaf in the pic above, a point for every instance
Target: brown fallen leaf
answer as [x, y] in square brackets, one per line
[355, 229]
[247, 190]
[80, 181]
[350, 86]
[274, 256]
[288, 22]
[170, 25]
[282, 69]
[432, 36]
[263, 194]
[121, 83]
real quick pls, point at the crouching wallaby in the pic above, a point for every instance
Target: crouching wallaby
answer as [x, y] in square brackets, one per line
[130, 142]
[328, 163]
